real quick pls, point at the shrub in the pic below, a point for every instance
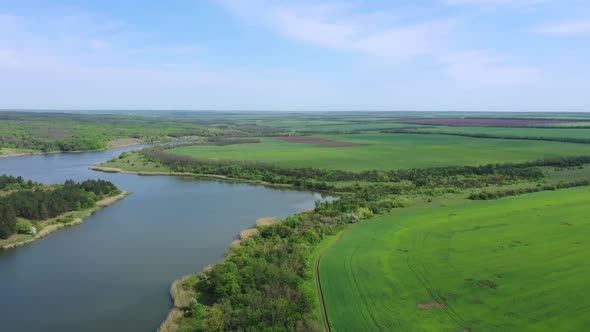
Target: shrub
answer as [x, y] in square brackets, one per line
[23, 226]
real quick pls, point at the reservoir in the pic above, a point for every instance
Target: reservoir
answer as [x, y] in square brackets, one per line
[113, 272]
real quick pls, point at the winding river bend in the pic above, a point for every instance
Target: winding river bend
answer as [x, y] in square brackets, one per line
[113, 272]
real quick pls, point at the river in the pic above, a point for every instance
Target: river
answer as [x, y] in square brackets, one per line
[113, 272]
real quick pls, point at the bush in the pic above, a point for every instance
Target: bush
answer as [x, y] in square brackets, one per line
[23, 226]
[364, 213]
[65, 219]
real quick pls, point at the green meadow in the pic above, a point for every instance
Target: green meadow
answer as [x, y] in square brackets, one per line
[513, 264]
[387, 151]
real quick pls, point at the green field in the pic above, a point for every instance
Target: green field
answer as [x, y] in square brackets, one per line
[387, 151]
[513, 264]
[578, 133]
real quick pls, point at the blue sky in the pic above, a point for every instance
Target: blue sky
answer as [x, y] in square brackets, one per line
[481, 55]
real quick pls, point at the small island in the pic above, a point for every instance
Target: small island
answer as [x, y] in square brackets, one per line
[31, 210]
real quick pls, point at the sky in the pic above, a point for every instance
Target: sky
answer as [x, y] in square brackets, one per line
[463, 55]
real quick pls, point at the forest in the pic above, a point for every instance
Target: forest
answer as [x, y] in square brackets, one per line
[48, 201]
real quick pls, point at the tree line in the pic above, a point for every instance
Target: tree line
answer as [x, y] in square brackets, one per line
[488, 195]
[82, 143]
[49, 202]
[9, 182]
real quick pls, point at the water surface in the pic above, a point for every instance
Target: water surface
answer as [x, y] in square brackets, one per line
[113, 272]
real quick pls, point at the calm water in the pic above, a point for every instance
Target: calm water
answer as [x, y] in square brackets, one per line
[113, 272]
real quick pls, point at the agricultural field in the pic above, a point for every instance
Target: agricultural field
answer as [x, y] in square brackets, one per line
[385, 151]
[513, 264]
[554, 133]
[490, 122]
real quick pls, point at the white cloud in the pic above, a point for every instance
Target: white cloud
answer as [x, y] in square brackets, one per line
[566, 28]
[479, 68]
[339, 26]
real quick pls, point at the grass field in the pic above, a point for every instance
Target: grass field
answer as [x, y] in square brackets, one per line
[387, 151]
[514, 264]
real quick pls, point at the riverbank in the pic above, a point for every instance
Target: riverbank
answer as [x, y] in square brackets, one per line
[182, 291]
[115, 144]
[18, 240]
[182, 294]
[108, 169]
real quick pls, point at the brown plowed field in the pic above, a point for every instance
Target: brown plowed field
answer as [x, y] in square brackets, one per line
[316, 141]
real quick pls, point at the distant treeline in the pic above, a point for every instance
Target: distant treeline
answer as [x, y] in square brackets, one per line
[48, 145]
[8, 182]
[261, 284]
[493, 136]
[488, 195]
[48, 202]
[320, 179]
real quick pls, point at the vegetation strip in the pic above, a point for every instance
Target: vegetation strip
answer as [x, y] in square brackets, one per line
[487, 195]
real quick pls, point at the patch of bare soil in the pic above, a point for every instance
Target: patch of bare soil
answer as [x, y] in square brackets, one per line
[430, 306]
[487, 283]
[316, 141]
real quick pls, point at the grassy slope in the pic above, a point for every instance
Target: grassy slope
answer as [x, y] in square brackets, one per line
[387, 151]
[534, 247]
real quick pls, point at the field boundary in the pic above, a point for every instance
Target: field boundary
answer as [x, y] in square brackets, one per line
[318, 282]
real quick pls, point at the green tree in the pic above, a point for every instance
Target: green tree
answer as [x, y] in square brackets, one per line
[214, 319]
[7, 220]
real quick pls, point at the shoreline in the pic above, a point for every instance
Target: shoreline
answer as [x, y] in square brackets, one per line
[177, 291]
[55, 227]
[107, 169]
[110, 145]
